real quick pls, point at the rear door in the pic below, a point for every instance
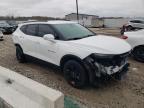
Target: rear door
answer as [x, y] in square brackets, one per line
[29, 39]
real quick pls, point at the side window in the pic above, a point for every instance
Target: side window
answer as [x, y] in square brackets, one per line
[45, 29]
[132, 21]
[23, 29]
[136, 21]
[31, 29]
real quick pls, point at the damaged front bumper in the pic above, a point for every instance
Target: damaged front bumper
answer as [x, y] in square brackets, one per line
[106, 65]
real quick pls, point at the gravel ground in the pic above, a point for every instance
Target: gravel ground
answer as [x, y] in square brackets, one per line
[128, 93]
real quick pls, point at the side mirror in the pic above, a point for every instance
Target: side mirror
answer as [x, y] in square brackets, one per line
[49, 37]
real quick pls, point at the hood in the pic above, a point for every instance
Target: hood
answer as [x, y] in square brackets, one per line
[102, 44]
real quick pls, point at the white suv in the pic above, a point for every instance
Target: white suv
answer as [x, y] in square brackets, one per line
[82, 55]
[137, 23]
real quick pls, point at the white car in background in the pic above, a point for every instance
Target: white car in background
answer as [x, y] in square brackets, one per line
[133, 25]
[82, 55]
[136, 40]
[1, 35]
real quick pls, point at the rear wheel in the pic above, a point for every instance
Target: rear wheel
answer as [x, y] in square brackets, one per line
[138, 53]
[75, 73]
[129, 28]
[20, 55]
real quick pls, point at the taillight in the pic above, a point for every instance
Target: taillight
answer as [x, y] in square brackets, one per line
[124, 37]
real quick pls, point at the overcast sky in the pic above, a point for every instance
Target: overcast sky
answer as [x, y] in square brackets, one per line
[59, 8]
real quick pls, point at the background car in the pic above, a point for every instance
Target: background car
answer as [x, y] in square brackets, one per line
[13, 24]
[136, 40]
[6, 28]
[133, 25]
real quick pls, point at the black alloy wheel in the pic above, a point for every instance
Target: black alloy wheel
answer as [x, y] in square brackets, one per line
[75, 73]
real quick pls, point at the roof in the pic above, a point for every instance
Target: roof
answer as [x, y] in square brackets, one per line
[83, 14]
[60, 22]
[112, 17]
[49, 22]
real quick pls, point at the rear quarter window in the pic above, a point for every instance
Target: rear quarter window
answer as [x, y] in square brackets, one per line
[30, 29]
[23, 29]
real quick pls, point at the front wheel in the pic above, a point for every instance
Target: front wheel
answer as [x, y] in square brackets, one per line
[1, 39]
[20, 55]
[138, 53]
[129, 28]
[75, 74]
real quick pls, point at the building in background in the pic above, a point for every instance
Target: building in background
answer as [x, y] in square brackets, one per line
[115, 22]
[86, 20]
[96, 21]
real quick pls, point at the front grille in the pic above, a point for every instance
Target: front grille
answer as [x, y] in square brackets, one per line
[116, 60]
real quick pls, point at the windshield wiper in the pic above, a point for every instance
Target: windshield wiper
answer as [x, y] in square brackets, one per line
[74, 38]
[81, 37]
[88, 36]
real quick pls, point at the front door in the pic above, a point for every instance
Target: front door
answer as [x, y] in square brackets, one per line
[29, 39]
[46, 50]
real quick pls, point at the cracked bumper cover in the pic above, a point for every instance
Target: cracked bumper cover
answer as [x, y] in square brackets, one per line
[106, 65]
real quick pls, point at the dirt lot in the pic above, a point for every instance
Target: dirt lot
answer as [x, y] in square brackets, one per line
[128, 93]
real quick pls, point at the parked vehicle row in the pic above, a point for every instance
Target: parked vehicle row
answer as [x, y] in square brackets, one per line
[7, 28]
[82, 55]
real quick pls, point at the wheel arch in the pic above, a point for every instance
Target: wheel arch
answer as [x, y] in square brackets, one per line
[18, 45]
[65, 58]
[130, 26]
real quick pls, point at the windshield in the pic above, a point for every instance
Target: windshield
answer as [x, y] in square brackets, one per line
[73, 31]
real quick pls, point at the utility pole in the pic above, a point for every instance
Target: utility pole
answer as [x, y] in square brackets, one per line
[77, 10]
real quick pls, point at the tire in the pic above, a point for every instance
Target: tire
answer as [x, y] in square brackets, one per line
[122, 31]
[138, 53]
[1, 39]
[20, 55]
[75, 74]
[129, 28]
